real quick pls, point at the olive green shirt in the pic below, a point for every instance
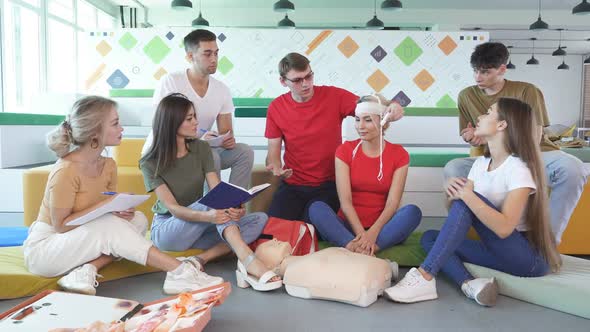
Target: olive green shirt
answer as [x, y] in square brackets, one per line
[473, 102]
[185, 178]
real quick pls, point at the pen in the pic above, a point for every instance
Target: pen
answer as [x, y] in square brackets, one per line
[132, 312]
[109, 193]
[204, 131]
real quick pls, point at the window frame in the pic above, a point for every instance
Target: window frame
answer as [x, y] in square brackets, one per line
[44, 19]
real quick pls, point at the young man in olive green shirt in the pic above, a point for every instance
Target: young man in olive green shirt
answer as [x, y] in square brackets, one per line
[565, 173]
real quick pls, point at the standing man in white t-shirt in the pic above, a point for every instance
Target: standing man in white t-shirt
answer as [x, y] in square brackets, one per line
[213, 102]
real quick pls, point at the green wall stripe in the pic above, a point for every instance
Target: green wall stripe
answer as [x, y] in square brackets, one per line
[250, 112]
[131, 93]
[255, 103]
[264, 102]
[260, 112]
[26, 119]
[430, 111]
[434, 159]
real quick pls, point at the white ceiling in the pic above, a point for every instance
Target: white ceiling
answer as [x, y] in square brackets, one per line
[514, 32]
[408, 4]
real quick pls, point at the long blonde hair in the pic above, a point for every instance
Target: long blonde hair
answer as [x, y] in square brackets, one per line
[520, 141]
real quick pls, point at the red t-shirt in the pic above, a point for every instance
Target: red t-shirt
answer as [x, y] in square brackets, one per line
[368, 194]
[311, 131]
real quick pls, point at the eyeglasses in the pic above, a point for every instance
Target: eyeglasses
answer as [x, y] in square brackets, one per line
[300, 80]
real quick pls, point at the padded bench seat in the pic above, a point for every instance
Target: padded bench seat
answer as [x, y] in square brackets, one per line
[567, 291]
[17, 282]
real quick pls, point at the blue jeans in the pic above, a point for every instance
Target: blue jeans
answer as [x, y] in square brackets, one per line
[566, 176]
[337, 231]
[292, 202]
[173, 234]
[449, 248]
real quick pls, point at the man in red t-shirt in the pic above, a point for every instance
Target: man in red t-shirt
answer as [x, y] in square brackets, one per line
[309, 120]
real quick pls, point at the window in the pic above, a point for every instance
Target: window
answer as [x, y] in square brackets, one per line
[61, 57]
[63, 9]
[40, 43]
[22, 56]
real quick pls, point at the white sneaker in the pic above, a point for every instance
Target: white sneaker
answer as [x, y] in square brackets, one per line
[412, 288]
[483, 290]
[188, 278]
[80, 280]
[196, 261]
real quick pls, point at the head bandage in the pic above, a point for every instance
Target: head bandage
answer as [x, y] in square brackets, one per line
[375, 108]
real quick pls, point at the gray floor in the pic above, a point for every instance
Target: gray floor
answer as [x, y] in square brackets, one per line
[248, 310]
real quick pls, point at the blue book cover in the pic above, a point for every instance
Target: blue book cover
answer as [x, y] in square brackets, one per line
[226, 195]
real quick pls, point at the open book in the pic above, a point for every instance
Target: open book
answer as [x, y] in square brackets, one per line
[121, 203]
[226, 195]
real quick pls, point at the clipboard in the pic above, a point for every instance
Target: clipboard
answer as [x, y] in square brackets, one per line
[33, 315]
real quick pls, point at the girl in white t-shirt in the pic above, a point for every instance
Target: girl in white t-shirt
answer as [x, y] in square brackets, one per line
[505, 200]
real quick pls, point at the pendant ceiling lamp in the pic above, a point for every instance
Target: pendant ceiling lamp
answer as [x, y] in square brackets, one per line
[532, 60]
[391, 5]
[559, 51]
[510, 65]
[563, 66]
[200, 21]
[375, 23]
[283, 6]
[286, 23]
[181, 5]
[539, 24]
[582, 9]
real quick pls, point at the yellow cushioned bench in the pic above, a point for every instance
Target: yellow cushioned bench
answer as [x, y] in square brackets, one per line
[17, 282]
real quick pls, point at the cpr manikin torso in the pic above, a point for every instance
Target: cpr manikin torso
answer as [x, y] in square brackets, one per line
[331, 274]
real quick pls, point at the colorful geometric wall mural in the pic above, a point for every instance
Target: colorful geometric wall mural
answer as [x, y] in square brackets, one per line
[429, 68]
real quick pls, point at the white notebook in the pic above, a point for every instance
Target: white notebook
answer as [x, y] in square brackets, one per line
[121, 203]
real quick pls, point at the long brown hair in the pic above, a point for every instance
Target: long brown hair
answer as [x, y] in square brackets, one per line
[170, 115]
[520, 141]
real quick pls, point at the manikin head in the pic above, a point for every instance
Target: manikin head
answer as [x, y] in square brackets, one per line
[273, 252]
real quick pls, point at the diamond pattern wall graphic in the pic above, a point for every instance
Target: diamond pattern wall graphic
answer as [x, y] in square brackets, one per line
[224, 65]
[159, 73]
[447, 45]
[127, 41]
[408, 51]
[424, 80]
[103, 48]
[378, 53]
[118, 80]
[446, 102]
[378, 80]
[156, 49]
[383, 61]
[348, 47]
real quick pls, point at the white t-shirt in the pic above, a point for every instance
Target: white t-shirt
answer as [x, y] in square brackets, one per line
[217, 100]
[495, 185]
